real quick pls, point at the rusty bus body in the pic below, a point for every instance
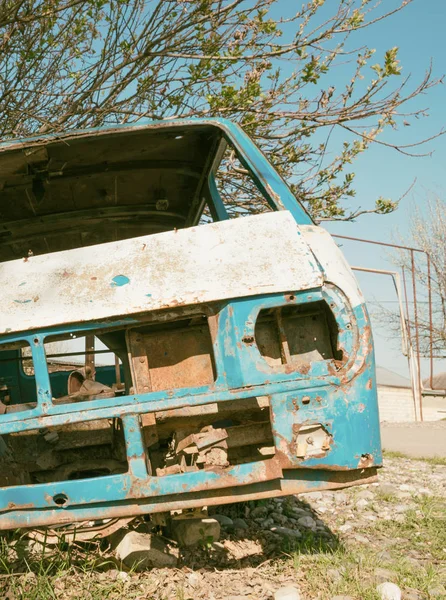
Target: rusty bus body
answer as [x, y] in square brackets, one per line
[244, 357]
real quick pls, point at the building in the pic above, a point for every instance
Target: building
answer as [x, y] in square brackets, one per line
[395, 397]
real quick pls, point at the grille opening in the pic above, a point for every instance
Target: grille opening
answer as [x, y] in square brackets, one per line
[68, 452]
[298, 335]
[17, 380]
[215, 436]
[172, 355]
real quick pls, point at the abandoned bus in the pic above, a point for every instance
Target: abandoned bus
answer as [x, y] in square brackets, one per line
[175, 332]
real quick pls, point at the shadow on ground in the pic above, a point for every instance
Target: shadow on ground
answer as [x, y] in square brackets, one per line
[237, 548]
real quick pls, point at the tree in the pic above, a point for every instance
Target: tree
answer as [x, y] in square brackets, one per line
[68, 64]
[428, 233]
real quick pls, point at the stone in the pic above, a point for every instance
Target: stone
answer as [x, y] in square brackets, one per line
[346, 527]
[342, 598]
[141, 550]
[278, 518]
[307, 522]
[437, 592]
[312, 496]
[189, 531]
[287, 593]
[401, 508]
[407, 488]
[362, 539]
[41, 549]
[340, 498]
[225, 522]
[240, 524]
[412, 596]
[287, 532]
[365, 495]
[259, 512]
[266, 523]
[299, 511]
[335, 575]
[389, 591]
[387, 488]
[362, 503]
[383, 575]
[194, 579]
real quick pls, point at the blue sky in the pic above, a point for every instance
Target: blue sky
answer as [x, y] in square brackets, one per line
[418, 31]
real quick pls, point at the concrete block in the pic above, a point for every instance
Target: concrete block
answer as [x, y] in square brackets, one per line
[142, 550]
[189, 531]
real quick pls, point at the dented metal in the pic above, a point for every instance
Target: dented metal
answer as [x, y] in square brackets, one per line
[244, 357]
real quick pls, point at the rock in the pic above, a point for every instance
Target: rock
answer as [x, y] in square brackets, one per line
[266, 524]
[437, 592]
[335, 575]
[346, 527]
[362, 539]
[123, 576]
[225, 522]
[340, 498]
[299, 512]
[342, 598]
[312, 496]
[362, 503]
[287, 593]
[321, 509]
[287, 532]
[142, 550]
[366, 495]
[383, 575]
[240, 524]
[389, 591]
[189, 531]
[307, 522]
[387, 488]
[259, 512]
[218, 546]
[278, 518]
[37, 548]
[401, 508]
[194, 579]
[406, 488]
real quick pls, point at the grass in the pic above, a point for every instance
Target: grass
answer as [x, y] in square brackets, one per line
[350, 571]
[412, 550]
[433, 460]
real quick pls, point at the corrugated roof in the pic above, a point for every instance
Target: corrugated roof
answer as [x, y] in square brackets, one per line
[391, 379]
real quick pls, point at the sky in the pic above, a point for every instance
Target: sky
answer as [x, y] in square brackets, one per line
[418, 31]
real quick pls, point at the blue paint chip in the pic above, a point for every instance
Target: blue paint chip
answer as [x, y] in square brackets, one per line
[119, 281]
[22, 301]
[148, 295]
[23, 283]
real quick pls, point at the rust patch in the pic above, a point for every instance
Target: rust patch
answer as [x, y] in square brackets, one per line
[365, 461]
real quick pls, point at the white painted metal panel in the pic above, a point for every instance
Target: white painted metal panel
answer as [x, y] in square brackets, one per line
[333, 262]
[243, 257]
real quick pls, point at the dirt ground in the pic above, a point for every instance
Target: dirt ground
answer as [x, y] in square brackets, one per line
[333, 545]
[418, 440]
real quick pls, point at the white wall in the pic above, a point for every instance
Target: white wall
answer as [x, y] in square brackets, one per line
[395, 404]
